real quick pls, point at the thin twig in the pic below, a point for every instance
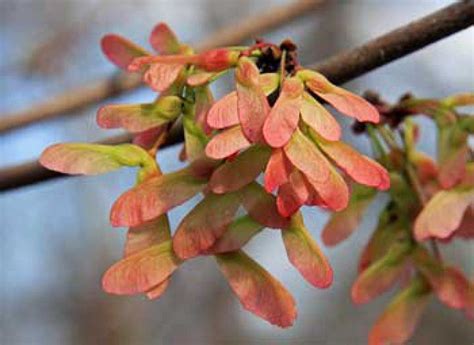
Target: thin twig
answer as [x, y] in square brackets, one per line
[94, 92]
[434, 27]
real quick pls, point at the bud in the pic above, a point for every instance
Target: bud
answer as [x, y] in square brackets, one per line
[169, 106]
[218, 59]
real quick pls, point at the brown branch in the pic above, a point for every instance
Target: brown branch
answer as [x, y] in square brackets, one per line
[363, 59]
[398, 43]
[73, 100]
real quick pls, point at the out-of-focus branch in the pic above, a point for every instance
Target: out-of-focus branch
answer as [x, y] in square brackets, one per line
[363, 59]
[44, 58]
[95, 92]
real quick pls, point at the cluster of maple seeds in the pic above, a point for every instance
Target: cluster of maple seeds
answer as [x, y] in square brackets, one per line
[273, 123]
[429, 200]
[229, 143]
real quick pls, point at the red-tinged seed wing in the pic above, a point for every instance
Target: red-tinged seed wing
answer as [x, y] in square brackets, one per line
[146, 235]
[133, 117]
[305, 254]
[252, 104]
[293, 194]
[359, 167]
[258, 291]
[269, 82]
[148, 138]
[443, 213]
[163, 40]
[120, 50]
[333, 192]
[142, 271]
[262, 206]
[160, 76]
[379, 277]
[237, 235]
[277, 171]
[239, 172]
[205, 224]
[449, 283]
[200, 78]
[223, 113]
[466, 228]
[343, 100]
[284, 115]
[226, 143]
[154, 197]
[304, 155]
[343, 223]
[319, 119]
[398, 322]
[158, 291]
[452, 167]
[93, 159]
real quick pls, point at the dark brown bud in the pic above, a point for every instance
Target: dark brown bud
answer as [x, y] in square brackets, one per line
[288, 45]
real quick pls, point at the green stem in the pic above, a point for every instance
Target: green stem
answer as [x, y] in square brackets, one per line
[282, 68]
[377, 146]
[239, 48]
[415, 183]
[388, 137]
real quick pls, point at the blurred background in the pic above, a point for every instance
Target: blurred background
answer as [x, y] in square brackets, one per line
[55, 240]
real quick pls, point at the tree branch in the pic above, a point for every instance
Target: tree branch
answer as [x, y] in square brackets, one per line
[363, 59]
[398, 43]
